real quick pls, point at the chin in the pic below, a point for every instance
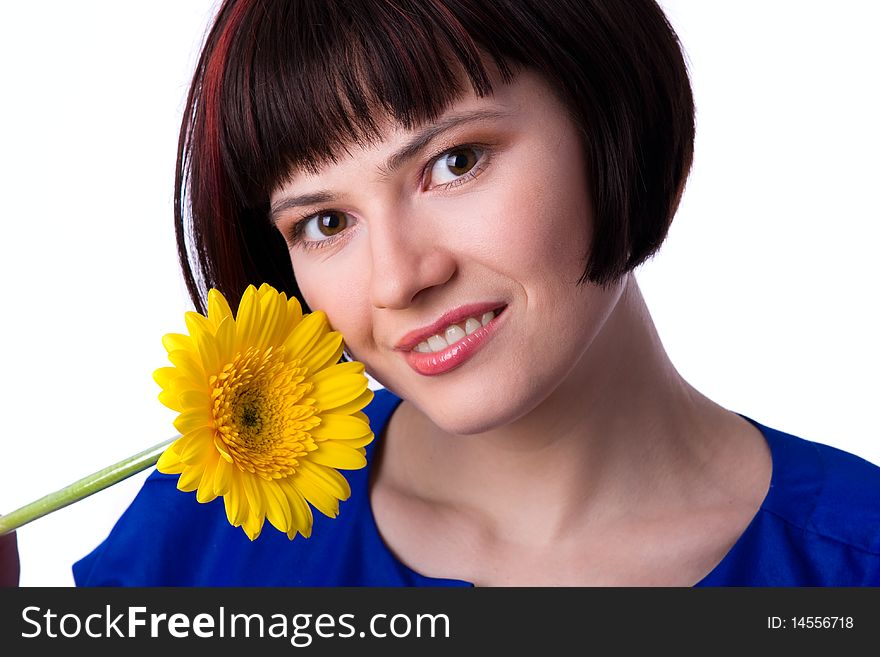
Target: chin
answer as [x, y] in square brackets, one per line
[475, 414]
[466, 409]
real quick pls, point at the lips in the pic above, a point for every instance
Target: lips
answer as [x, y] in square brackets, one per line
[457, 354]
[454, 316]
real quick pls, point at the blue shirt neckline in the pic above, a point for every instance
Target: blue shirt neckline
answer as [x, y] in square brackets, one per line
[768, 503]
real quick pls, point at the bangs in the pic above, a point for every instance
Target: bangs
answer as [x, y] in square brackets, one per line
[300, 82]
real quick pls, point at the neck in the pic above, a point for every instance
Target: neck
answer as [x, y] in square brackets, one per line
[622, 426]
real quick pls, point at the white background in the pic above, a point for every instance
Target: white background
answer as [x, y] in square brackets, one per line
[764, 294]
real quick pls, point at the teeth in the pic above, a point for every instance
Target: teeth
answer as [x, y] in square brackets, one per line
[453, 333]
[436, 343]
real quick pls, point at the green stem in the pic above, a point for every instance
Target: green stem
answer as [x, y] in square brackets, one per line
[83, 488]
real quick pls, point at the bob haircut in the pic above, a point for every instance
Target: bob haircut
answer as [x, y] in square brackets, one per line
[286, 85]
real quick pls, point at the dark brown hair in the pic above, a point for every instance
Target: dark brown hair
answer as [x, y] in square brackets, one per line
[288, 84]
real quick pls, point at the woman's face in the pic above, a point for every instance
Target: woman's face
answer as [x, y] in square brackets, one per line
[486, 209]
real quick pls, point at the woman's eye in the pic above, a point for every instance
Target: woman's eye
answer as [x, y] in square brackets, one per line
[454, 164]
[324, 225]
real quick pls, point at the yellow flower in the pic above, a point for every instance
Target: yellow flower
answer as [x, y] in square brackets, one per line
[267, 414]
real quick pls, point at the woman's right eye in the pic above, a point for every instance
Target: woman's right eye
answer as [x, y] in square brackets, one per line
[319, 229]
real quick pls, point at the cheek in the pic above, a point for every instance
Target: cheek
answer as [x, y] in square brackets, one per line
[540, 224]
[339, 288]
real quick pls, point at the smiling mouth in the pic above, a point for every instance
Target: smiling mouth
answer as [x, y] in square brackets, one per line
[456, 332]
[455, 346]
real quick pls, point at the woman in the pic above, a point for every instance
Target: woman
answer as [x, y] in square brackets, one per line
[465, 189]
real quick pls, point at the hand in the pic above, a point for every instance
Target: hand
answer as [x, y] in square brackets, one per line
[10, 568]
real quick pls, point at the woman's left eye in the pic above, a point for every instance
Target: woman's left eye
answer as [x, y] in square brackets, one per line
[454, 165]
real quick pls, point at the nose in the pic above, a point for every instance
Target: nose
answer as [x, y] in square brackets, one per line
[407, 259]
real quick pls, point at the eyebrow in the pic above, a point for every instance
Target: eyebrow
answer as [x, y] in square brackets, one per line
[412, 148]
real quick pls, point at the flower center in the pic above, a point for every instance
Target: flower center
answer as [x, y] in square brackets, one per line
[250, 416]
[262, 416]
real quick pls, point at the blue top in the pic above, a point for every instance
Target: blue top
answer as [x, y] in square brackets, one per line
[818, 526]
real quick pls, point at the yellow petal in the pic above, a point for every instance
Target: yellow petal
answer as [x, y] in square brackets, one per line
[222, 448]
[222, 477]
[266, 290]
[337, 455]
[195, 399]
[301, 340]
[253, 525]
[339, 427]
[234, 500]
[225, 340]
[218, 307]
[252, 491]
[169, 462]
[351, 367]
[184, 383]
[200, 433]
[205, 492]
[334, 392]
[328, 478]
[247, 321]
[230, 504]
[171, 400]
[192, 419]
[317, 496]
[190, 478]
[188, 364]
[272, 318]
[356, 443]
[352, 407]
[175, 341]
[166, 376]
[294, 314]
[197, 323]
[209, 355]
[198, 448]
[294, 308]
[277, 507]
[325, 352]
[302, 512]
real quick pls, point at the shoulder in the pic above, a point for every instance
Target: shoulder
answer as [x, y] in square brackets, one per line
[167, 538]
[825, 490]
[819, 524]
